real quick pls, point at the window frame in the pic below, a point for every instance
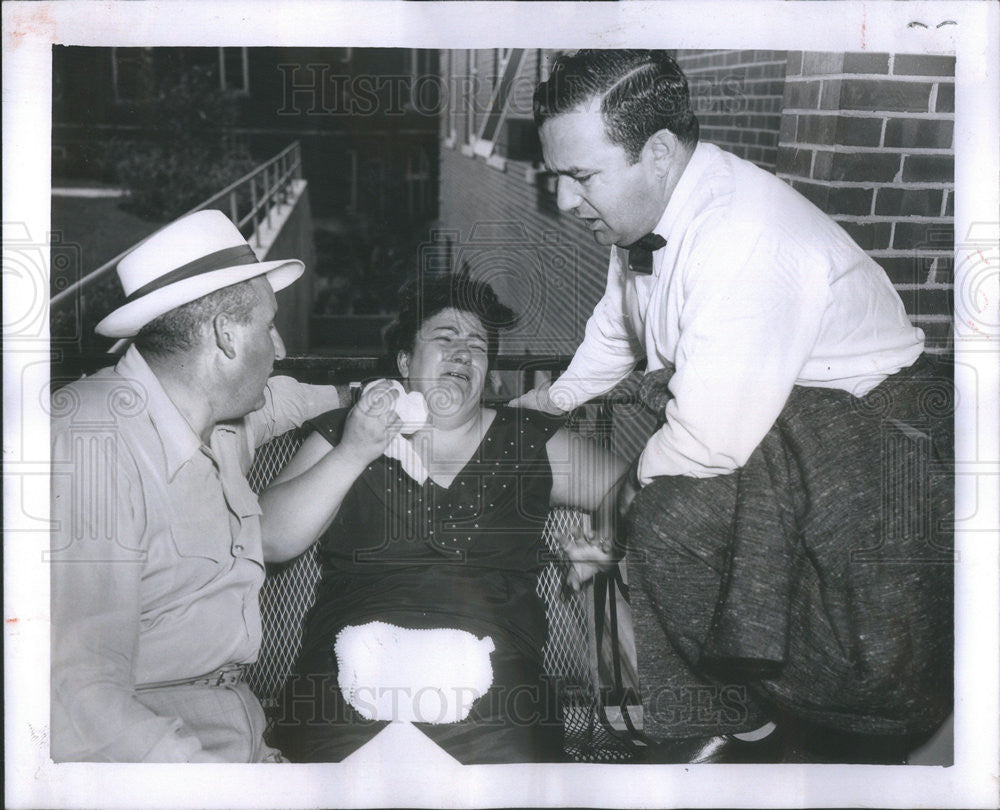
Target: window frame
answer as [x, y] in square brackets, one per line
[485, 140]
[244, 90]
[116, 58]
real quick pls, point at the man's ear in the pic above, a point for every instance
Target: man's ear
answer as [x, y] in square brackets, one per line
[403, 363]
[225, 334]
[662, 147]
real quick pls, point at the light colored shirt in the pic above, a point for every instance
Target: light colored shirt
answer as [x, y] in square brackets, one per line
[756, 290]
[156, 557]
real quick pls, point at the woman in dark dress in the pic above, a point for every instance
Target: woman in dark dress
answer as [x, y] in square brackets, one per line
[438, 530]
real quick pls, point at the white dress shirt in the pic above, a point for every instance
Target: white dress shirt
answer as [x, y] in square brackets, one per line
[756, 290]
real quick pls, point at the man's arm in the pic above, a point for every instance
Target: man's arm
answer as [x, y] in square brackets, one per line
[287, 404]
[588, 477]
[303, 499]
[97, 565]
[752, 313]
[604, 358]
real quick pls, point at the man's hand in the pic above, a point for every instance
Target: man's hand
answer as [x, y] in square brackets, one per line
[373, 422]
[588, 551]
[538, 400]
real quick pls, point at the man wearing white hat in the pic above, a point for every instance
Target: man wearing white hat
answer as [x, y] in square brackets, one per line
[157, 549]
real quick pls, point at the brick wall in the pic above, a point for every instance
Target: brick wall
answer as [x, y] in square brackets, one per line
[503, 225]
[738, 96]
[501, 220]
[868, 137]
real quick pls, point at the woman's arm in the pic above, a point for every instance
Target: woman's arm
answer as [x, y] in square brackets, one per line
[588, 477]
[583, 472]
[302, 500]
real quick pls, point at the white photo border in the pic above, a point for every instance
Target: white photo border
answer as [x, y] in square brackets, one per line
[965, 29]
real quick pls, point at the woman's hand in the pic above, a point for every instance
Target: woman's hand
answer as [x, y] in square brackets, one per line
[372, 422]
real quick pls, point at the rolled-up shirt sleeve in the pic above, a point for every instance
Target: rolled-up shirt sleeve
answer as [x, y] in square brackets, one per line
[97, 564]
[288, 404]
[750, 318]
[608, 352]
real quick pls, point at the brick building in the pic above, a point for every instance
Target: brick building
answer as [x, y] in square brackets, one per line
[868, 137]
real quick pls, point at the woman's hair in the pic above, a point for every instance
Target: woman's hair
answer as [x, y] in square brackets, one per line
[641, 92]
[425, 297]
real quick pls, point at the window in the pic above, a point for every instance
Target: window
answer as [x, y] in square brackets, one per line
[424, 92]
[418, 175]
[352, 203]
[132, 73]
[422, 62]
[510, 63]
[471, 73]
[234, 70]
[450, 117]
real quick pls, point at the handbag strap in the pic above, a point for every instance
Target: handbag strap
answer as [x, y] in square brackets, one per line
[606, 589]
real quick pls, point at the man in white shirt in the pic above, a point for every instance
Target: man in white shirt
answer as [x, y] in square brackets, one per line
[770, 341]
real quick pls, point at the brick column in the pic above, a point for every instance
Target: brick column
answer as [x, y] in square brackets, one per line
[868, 137]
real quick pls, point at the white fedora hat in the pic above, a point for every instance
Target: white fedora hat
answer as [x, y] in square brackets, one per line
[189, 258]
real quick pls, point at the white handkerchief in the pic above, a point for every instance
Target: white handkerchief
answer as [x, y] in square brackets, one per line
[418, 676]
[401, 449]
[412, 409]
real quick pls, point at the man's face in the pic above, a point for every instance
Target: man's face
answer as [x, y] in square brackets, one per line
[619, 202]
[260, 344]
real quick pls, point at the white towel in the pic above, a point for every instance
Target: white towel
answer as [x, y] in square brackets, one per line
[412, 409]
[418, 676]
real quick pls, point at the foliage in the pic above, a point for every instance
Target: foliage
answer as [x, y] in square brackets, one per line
[183, 158]
[163, 181]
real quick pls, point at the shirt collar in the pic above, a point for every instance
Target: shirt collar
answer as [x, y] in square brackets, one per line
[686, 186]
[177, 437]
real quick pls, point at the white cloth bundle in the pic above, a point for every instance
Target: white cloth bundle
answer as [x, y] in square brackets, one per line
[419, 676]
[412, 409]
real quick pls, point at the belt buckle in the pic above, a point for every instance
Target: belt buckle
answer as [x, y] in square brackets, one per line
[229, 677]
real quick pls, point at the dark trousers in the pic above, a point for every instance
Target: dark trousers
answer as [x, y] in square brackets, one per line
[813, 583]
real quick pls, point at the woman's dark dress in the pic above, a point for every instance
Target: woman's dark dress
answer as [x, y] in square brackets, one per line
[425, 556]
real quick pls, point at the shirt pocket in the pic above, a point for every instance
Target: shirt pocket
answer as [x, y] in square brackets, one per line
[243, 503]
[241, 499]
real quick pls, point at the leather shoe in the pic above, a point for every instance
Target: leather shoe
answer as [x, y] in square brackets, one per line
[720, 749]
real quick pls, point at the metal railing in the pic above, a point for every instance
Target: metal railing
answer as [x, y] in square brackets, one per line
[349, 373]
[267, 187]
[324, 369]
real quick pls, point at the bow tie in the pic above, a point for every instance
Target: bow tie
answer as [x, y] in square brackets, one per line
[640, 253]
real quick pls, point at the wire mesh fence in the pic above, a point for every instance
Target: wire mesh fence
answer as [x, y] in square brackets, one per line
[569, 655]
